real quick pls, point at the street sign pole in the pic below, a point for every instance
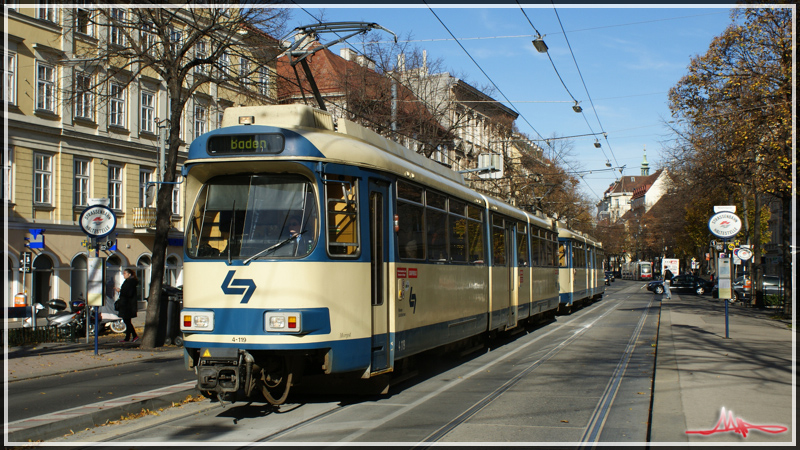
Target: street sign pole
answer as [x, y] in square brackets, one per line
[725, 224]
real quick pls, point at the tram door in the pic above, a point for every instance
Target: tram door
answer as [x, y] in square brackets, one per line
[379, 267]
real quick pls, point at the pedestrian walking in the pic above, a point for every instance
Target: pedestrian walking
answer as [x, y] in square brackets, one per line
[127, 305]
[667, 282]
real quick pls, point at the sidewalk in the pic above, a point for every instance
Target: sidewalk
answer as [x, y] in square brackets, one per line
[699, 372]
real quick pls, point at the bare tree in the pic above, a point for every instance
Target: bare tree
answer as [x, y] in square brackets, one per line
[188, 50]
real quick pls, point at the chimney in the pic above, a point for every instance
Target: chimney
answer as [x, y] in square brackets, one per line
[347, 53]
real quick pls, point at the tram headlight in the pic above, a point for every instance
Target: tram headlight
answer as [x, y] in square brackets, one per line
[197, 321]
[282, 321]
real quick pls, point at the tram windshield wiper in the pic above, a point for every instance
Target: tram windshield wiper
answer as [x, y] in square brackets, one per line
[274, 247]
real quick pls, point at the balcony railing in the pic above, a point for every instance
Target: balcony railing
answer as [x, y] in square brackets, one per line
[144, 218]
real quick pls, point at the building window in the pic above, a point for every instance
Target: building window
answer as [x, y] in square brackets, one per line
[10, 79]
[224, 62]
[83, 21]
[148, 38]
[46, 87]
[263, 80]
[115, 187]
[8, 181]
[84, 98]
[116, 34]
[46, 12]
[200, 52]
[200, 117]
[81, 187]
[42, 178]
[148, 112]
[176, 199]
[145, 176]
[175, 38]
[244, 72]
[117, 116]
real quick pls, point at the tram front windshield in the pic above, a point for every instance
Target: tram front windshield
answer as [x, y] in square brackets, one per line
[253, 216]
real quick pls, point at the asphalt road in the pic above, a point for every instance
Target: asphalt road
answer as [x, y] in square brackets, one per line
[38, 396]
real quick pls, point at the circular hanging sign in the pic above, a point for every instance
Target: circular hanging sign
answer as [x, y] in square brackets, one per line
[743, 253]
[98, 221]
[724, 225]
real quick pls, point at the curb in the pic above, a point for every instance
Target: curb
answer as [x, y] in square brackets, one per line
[49, 426]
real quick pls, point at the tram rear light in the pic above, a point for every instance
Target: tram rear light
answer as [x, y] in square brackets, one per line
[396, 223]
[187, 321]
[292, 322]
[247, 120]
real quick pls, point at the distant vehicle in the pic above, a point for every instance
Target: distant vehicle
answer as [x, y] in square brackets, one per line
[610, 275]
[683, 283]
[607, 279]
[637, 271]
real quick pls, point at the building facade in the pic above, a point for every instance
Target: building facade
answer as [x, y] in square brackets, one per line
[76, 134]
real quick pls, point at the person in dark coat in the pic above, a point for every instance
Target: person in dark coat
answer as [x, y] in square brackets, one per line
[128, 305]
[667, 282]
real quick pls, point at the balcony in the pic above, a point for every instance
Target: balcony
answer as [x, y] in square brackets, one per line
[144, 220]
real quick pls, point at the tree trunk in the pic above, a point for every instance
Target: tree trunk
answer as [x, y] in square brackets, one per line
[757, 267]
[163, 225]
[786, 252]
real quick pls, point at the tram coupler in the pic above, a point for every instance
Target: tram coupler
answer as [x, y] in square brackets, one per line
[218, 370]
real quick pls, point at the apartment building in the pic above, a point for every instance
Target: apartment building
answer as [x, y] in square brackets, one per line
[76, 134]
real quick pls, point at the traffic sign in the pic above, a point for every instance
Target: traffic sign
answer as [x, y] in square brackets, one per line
[743, 253]
[724, 225]
[98, 221]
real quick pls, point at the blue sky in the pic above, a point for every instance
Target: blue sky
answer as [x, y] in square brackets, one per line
[629, 57]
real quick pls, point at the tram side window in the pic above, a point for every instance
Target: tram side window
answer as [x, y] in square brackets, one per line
[551, 249]
[410, 212]
[458, 231]
[341, 198]
[498, 241]
[537, 250]
[475, 235]
[562, 254]
[436, 226]
[522, 245]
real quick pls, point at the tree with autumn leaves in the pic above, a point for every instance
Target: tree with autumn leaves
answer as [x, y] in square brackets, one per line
[734, 110]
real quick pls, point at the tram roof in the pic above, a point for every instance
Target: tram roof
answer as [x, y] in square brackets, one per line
[345, 143]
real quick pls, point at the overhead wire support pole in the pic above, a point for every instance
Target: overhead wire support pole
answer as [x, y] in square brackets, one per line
[303, 35]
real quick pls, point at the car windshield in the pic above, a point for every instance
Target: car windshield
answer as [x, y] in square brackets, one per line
[241, 216]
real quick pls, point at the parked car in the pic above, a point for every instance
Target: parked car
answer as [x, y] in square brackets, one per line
[610, 275]
[683, 283]
[770, 284]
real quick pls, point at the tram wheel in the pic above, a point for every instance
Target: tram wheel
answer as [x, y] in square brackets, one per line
[275, 384]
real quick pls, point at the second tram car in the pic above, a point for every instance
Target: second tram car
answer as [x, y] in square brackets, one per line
[580, 260]
[319, 250]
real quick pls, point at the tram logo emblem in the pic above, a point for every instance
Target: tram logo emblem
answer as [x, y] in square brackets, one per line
[229, 289]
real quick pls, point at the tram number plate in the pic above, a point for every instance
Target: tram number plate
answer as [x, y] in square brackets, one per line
[239, 339]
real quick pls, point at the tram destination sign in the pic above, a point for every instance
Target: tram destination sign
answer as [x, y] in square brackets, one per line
[98, 221]
[271, 143]
[724, 225]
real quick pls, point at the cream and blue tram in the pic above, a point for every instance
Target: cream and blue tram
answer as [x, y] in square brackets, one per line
[580, 268]
[315, 250]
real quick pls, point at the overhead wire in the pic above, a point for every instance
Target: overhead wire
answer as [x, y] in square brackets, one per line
[586, 89]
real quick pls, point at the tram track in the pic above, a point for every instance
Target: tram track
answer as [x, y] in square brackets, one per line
[300, 422]
[442, 431]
